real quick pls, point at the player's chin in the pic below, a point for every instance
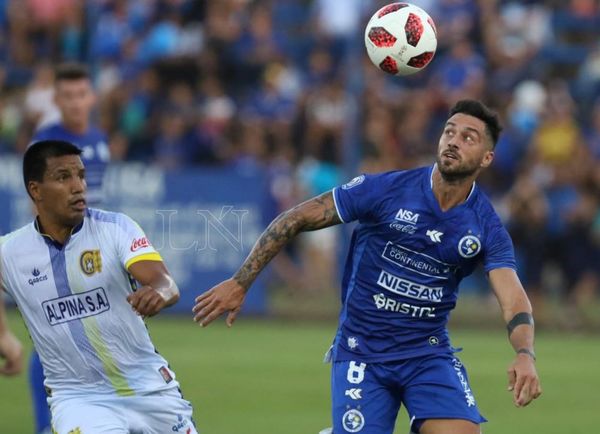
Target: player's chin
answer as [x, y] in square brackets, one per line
[75, 216]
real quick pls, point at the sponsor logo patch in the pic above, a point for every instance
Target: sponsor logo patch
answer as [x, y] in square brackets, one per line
[139, 243]
[434, 236]
[391, 305]
[409, 289]
[76, 306]
[404, 228]
[416, 262]
[181, 424]
[164, 372]
[469, 398]
[37, 277]
[407, 216]
[352, 342]
[354, 393]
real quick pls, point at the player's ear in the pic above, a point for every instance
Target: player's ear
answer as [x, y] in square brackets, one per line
[488, 157]
[33, 187]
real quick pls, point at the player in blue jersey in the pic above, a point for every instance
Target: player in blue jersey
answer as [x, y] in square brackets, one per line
[75, 98]
[83, 280]
[420, 233]
[11, 349]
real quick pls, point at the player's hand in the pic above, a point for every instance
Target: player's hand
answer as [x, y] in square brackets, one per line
[523, 380]
[147, 301]
[227, 296]
[11, 350]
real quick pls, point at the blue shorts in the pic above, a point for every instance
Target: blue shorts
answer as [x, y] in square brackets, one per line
[366, 397]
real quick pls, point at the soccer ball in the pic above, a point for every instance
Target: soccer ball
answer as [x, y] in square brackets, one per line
[401, 39]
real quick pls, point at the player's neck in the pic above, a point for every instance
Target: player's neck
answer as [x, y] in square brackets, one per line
[76, 127]
[59, 232]
[451, 193]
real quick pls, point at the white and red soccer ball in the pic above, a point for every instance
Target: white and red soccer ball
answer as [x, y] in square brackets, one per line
[401, 39]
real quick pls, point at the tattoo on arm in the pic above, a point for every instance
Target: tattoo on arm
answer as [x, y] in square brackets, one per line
[316, 213]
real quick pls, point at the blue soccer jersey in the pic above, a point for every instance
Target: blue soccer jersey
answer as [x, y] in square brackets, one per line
[95, 154]
[406, 260]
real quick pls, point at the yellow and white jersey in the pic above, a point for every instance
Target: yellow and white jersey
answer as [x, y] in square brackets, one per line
[73, 300]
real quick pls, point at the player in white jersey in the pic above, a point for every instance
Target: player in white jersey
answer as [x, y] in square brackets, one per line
[72, 273]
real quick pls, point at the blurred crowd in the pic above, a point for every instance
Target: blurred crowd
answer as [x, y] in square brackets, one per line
[285, 85]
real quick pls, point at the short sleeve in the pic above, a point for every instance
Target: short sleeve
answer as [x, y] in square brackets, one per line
[355, 199]
[133, 244]
[499, 251]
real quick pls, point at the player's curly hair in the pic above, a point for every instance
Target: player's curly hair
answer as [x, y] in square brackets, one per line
[479, 110]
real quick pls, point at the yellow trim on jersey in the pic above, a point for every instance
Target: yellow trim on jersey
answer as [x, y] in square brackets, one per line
[155, 256]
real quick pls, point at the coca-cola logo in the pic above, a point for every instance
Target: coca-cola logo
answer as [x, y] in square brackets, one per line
[139, 243]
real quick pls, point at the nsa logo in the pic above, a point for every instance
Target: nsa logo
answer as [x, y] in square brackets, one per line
[469, 246]
[407, 216]
[435, 236]
[353, 421]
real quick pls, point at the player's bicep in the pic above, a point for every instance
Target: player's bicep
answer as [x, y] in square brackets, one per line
[318, 213]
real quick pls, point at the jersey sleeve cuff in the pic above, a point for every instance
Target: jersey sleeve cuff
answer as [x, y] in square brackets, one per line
[154, 256]
[337, 208]
[497, 266]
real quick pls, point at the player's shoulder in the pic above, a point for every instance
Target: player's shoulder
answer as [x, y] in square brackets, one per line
[484, 209]
[48, 131]
[18, 238]
[100, 217]
[400, 178]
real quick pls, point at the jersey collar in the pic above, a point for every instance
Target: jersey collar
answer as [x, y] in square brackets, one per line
[432, 199]
[51, 241]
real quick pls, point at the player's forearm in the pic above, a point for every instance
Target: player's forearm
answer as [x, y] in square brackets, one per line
[3, 325]
[316, 213]
[280, 232]
[521, 331]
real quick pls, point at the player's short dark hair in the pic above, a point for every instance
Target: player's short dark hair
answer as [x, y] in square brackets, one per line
[480, 111]
[71, 71]
[37, 155]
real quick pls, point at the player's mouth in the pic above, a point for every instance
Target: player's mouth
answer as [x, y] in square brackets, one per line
[451, 155]
[78, 204]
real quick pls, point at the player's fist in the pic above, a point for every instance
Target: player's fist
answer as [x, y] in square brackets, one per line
[147, 301]
[227, 296]
[12, 351]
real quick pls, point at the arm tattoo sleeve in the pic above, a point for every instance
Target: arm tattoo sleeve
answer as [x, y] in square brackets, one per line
[316, 213]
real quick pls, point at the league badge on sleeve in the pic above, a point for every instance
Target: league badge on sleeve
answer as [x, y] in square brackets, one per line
[354, 182]
[469, 246]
